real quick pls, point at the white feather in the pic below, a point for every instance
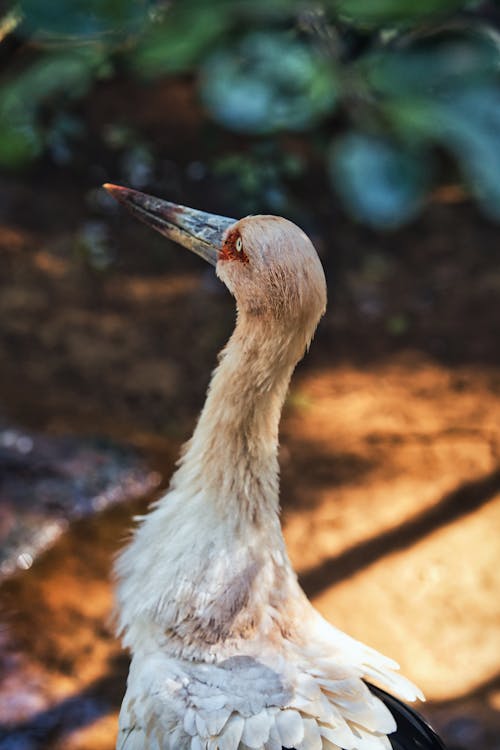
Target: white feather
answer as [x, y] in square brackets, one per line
[201, 726]
[312, 738]
[175, 738]
[307, 686]
[395, 683]
[231, 736]
[366, 740]
[274, 740]
[210, 702]
[190, 721]
[256, 729]
[327, 745]
[338, 735]
[290, 727]
[215, 720]
[197, 744]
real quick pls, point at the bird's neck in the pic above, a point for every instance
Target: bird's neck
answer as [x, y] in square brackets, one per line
[232, 455]
[208, 565]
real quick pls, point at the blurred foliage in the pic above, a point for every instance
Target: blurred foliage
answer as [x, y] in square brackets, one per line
[393, 96]
[403, 13]
[55, 78]
[259, 176]
[85, 18]
[397, 178]
[267, 82]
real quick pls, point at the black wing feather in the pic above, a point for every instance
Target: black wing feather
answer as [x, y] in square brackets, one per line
[413, 732]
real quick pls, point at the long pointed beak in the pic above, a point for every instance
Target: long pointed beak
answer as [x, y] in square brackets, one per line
[199, 231]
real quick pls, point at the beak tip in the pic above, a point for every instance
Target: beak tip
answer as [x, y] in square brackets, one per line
[115, 190]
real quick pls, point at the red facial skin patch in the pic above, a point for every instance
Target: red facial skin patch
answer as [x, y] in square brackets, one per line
[232, 248]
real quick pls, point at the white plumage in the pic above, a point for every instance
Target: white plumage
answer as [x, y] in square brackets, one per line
[227, 652]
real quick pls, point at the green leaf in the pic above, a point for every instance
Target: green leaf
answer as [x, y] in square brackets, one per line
[268, 82]
[376, 13]
[444, 91]
[468, 124]
[179, 41]
[191, 28]
[19, 145]
[85, 18]
[465, 122]
[433, 64]
[59, 77]
[52, 75]
[380, 182]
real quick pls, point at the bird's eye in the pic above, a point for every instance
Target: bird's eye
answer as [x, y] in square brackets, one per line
[232, 248]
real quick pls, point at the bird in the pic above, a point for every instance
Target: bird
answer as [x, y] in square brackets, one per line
[227, 652]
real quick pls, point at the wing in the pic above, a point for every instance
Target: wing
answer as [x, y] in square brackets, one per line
[179, 705]
[243, 704]
[413, 732]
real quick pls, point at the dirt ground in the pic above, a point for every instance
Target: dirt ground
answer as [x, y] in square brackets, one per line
[390, 448]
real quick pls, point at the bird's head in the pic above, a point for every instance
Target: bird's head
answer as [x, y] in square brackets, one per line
[267, 262]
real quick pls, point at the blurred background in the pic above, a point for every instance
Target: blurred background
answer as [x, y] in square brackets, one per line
[374, 125]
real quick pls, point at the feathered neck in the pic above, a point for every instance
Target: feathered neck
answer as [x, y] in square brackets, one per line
[232, 455]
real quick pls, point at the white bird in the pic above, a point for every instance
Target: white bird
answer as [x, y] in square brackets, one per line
[227, 651]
